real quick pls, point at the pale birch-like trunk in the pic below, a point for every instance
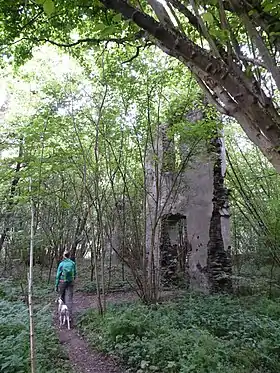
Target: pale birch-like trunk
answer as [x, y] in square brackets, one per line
[152, 223]
[30, 291]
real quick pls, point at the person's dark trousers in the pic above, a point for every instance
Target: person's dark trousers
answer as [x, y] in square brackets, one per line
[66, 290]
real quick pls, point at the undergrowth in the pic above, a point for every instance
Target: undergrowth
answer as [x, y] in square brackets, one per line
[198, 334]
[14, 336]
[114, 279]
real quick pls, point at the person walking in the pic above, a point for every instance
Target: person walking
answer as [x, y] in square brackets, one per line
[64, 281]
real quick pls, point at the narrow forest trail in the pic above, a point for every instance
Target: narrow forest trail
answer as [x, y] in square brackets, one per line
[82, 357]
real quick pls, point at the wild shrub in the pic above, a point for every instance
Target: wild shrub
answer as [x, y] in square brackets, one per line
[14, 341]
[198, 334]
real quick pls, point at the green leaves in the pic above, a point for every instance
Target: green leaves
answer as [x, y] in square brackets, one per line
[117, 17]
[108, 30]
[14, 339]
[105, 30]
[195, 335]
[98, 26]
[270, 6]
[48, 6]
[222, 35]
[208, 17]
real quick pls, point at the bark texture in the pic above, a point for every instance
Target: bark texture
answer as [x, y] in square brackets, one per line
[224, 82]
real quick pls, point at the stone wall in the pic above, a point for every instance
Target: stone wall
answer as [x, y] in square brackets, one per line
[191, 208]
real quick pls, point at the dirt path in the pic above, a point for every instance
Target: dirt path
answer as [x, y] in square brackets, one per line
[82, 357]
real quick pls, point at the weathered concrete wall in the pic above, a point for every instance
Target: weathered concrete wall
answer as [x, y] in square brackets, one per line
[192, 211]
[199, 208]
[165, 226]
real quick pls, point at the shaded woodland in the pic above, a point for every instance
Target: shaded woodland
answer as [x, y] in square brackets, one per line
[143, 136]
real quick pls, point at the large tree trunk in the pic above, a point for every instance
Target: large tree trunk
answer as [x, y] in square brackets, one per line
[224, 82]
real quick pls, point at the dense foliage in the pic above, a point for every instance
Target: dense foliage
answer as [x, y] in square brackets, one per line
[231, 47]
[196, 334]
[14, 336]
[83, 139]
[255, 209]
[77, 124]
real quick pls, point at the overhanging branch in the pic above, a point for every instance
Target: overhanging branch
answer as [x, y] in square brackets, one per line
[94, 41]
[138, 48]
[254, 61]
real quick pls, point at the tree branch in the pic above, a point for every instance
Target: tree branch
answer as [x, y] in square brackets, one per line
[193, 20]
[94, 41]
[161, 13]
[138, 48]
[267, 58]
[254, 61]
[187, 13]
[205, 32]
[32, 20]
[186, 50]
[211, 98]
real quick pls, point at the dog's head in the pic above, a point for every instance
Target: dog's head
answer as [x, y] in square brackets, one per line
[59, 301]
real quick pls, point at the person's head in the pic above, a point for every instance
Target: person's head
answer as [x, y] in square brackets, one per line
[66, 254]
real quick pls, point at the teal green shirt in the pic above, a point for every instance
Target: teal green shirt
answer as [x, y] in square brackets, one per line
[59, 273]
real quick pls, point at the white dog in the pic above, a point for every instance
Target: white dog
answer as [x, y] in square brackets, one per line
[63, 314]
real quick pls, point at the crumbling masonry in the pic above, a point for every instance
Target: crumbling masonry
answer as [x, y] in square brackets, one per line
[187, 207]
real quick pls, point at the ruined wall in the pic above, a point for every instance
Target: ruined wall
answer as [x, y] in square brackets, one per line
[173, 248]
[207, 214]
[199, 207]
[165, 225]
[218, 260]
[192, 210]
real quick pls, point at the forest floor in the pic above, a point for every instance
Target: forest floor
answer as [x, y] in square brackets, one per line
[81, 356]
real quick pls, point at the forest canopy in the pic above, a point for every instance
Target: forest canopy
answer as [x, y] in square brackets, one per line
[231, 47]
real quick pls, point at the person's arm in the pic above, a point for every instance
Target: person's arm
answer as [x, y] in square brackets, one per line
[58, 275]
